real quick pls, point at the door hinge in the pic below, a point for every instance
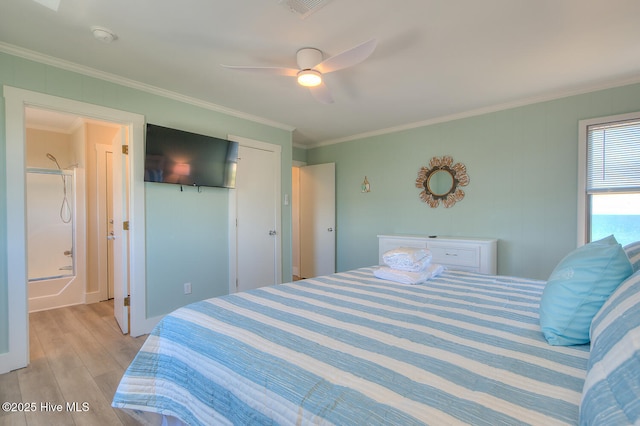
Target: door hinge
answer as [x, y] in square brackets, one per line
[125, 225]
[127, 301]
[125, 149]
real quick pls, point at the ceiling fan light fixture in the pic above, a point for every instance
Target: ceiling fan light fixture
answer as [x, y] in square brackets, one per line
[309, 78]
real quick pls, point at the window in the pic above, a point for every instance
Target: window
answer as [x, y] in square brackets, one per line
[609, 181]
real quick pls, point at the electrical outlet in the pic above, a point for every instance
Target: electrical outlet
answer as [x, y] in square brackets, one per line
[187, 288]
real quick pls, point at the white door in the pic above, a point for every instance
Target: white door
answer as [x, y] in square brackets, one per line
[257, 227]
[117, 234]
[105, 223]
[109, 222]
[317, 220]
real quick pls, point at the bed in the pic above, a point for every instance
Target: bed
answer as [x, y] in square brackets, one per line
[349, 348]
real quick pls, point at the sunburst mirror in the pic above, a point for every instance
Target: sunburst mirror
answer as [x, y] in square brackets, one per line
[441, 181]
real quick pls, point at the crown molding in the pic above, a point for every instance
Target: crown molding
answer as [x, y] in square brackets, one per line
[112, 78]
[91, 72]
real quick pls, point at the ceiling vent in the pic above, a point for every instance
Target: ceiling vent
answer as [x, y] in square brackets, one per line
[303, 8]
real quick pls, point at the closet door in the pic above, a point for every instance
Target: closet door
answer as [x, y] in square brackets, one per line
[258, 217]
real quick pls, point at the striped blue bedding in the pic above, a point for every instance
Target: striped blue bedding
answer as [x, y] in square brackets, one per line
[351, 349]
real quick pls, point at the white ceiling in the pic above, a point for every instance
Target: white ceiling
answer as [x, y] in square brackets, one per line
[36, 118]
[436, 59]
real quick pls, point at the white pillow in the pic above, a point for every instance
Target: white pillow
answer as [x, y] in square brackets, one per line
[407, 258]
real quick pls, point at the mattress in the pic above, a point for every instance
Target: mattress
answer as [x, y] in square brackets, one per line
[351, 349]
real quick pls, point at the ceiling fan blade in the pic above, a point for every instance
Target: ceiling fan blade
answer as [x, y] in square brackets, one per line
[322, 93]
[51, 4]
[348, 58]
[290, 72]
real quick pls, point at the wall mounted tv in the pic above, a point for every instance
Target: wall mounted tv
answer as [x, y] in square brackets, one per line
[183, 158]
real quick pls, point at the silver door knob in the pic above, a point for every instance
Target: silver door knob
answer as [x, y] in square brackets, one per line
[330, 229]
[111, 236]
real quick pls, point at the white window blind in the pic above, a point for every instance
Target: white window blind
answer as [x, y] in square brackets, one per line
[613, 157]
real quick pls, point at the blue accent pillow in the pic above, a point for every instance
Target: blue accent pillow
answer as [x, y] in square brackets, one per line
[578, 287]
[611, 393]
[633, 253]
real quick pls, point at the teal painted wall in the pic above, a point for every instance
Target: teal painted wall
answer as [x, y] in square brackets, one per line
[522, 165]
[186, 242]
[299, 154]
[186, 232]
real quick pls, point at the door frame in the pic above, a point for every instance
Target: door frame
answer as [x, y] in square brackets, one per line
[15, 102]
[233, 214]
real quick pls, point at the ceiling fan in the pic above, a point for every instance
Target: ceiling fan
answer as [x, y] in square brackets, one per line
[311, 67]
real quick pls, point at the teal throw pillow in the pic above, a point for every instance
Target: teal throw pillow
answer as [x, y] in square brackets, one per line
[611, 393]
[633, 253]
[578, 287]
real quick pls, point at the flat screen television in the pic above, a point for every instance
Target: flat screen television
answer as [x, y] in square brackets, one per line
[184, 158]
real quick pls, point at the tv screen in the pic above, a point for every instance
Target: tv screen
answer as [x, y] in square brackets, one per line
[184, 158]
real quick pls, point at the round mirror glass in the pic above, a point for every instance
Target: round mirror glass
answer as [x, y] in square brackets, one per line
[440, 182]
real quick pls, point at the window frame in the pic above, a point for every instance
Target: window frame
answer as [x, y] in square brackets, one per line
[583, 204]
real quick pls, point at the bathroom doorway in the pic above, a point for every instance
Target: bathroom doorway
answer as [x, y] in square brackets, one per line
[16, 101]
[70, 253]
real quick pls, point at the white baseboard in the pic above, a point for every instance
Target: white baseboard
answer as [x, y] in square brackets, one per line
[93, 297]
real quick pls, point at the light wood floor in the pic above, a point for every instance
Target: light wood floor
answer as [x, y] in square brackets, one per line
[78, 355]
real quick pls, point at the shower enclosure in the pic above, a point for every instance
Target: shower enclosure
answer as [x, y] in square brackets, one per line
[50, 223]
